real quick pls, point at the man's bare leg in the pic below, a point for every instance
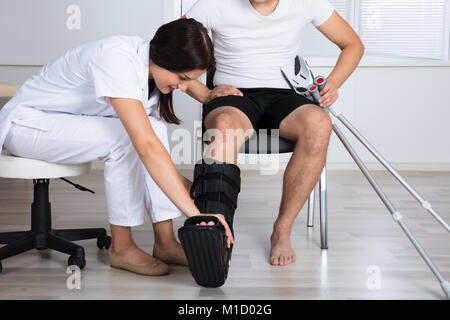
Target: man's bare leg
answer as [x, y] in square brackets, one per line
[231, 126]
[311, 127]
[227, 128]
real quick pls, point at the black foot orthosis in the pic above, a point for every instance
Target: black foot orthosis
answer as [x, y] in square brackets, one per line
[215, 189]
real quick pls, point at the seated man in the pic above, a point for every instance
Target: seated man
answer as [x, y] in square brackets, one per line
[253, 39]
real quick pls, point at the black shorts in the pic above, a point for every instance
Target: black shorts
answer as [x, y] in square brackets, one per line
[265, 107]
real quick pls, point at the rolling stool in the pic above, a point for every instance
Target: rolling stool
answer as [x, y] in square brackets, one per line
[42, 236]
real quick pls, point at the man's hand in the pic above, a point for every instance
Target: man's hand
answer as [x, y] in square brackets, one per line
[329, 94]
[221, 91]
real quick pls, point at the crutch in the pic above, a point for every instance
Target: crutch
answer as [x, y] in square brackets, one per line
[314, 89]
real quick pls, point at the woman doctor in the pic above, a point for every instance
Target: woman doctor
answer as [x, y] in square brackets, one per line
[107, 100]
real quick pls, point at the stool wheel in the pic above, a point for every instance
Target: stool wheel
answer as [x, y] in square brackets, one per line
[78, 261]
[104, 242]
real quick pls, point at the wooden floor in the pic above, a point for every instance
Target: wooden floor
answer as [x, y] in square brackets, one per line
[362, 237]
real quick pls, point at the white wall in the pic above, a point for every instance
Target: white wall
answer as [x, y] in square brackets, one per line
[35, 32]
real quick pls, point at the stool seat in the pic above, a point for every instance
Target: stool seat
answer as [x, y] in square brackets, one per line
[24, 168]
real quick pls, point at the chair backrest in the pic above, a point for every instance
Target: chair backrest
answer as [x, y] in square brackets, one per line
[261, 142]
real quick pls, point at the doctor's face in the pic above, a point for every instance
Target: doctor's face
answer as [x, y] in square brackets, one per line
[167, 81]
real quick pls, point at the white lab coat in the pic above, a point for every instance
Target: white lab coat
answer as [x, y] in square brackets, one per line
[62, 114]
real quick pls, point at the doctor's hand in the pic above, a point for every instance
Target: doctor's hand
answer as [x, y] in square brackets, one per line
[221, 91]
[329, 94]
[222, 220]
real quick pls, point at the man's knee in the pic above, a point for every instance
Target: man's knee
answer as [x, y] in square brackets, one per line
[313, 120]
[315, 131]
[223, 121]
[317, 141]
[324, 125]
[227, 126]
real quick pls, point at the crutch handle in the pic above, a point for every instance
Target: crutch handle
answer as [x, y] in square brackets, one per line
[314, 91]
[320, 81]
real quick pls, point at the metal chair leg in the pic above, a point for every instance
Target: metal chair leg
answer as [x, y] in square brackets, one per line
[323, 209]
[311, 208]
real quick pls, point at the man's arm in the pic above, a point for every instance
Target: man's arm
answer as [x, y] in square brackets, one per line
[201, 93]
[198, 91]
[338, 31]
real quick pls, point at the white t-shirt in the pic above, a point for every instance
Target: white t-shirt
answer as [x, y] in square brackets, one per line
[250, 48]
[82, 80]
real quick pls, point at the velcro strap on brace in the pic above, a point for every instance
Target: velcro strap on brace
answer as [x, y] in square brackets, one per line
[216, 187]
[216, 170]
[209, 186]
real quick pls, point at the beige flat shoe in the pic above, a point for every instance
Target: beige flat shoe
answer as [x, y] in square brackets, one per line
[161, 255]
[157, 268]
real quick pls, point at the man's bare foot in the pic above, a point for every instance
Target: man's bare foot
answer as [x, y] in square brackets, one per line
[281, 252]
[171, 253]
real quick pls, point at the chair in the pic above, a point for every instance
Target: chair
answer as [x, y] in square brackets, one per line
[264, 143]
[42, 236]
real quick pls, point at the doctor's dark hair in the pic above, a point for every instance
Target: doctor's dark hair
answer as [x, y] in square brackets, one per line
[179, 46]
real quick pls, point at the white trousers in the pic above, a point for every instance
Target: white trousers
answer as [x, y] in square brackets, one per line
[72, 139]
